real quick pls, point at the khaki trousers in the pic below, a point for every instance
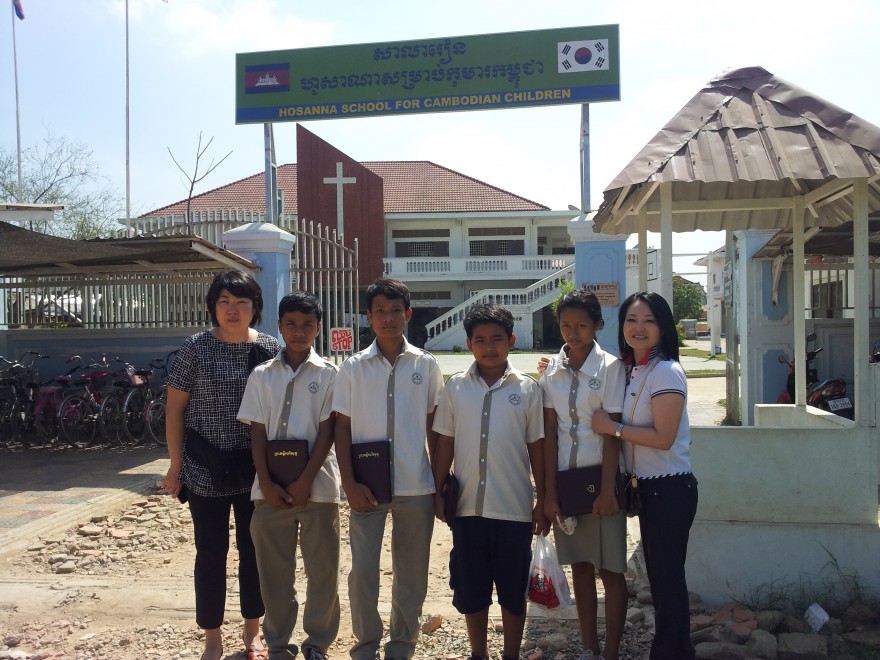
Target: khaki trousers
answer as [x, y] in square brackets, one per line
[275, 533]
[412, 521]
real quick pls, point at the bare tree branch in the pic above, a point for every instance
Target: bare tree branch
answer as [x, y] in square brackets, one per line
[195, 178]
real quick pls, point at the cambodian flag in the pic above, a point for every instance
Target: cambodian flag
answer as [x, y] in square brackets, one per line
[16, 4]
[267, 78]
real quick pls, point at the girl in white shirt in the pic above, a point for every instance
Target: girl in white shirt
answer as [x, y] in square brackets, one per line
[577, 382]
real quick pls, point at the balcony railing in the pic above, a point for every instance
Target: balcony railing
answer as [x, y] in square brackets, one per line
[465, 267]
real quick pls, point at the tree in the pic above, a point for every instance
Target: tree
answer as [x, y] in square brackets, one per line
[195, 178]
[565, 286]
[687, 300]
[62, 172]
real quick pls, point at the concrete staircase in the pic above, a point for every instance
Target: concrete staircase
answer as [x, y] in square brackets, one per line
[447, 331]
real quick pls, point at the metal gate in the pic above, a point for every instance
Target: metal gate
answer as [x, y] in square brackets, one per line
[322, 264]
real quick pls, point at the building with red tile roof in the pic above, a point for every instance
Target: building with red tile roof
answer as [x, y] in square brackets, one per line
[449, 236]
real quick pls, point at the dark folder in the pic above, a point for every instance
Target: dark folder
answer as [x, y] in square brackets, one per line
[371, 462]
[286, 460]
[578, 488]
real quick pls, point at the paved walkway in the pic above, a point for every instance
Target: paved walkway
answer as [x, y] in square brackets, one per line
[44, 493]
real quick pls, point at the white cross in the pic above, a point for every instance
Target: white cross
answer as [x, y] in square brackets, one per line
[340, 181]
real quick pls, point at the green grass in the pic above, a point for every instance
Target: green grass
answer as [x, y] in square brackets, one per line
[699, 353]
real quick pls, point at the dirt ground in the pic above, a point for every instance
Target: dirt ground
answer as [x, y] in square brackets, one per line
[120, 585]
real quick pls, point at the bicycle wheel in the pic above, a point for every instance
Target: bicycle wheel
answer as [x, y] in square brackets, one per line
[46, 421]
[135, 420]
[155, 416]
[111, 418]
[8, 427]
[24, 421]
[77, 420]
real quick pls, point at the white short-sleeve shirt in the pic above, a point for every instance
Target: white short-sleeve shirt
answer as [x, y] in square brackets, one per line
[491, 427]
[575, 396]
[392, 403]
[664, 377]
[291, 405]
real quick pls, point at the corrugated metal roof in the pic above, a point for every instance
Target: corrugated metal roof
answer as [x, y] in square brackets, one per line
[27, 252]
[409, 187]
[738, 152]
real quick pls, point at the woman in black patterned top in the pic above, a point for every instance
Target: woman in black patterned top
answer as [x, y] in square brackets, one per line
[205, 387]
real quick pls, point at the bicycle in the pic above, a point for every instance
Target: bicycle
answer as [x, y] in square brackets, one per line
[17, 397]
[112, 416]
[145, 404]
[78, 411]
[47, 401]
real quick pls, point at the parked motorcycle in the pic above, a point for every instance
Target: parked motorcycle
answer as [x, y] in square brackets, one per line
[829, 394]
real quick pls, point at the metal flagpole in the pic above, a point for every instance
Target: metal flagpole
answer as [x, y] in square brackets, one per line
[17, 118]
[127, 140]
[128, 132]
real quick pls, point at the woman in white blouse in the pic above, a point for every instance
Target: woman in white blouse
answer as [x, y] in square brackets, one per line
[656, 449]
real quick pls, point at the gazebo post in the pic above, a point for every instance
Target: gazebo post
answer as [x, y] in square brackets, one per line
[797, 303]
[863, 375]
[643, 249]
[666, 241]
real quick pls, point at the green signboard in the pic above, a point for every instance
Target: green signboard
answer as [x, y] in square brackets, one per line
[512, 70]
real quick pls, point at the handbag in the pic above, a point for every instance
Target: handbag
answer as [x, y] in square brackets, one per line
[229, 470]
[578, 488]
[257, 354]
[632, 498]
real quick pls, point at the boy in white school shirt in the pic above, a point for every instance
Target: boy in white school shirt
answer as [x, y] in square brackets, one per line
[388, 392]
[290, 397]
[490, 422]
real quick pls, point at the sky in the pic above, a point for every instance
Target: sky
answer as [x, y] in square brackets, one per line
[71, 72]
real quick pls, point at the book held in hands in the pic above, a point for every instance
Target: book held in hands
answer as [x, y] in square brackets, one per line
[371, 462]
[286, 460]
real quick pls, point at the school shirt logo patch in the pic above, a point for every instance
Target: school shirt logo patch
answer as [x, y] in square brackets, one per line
[416, 378]
[514, 399]
[313, 387]
[594, 383]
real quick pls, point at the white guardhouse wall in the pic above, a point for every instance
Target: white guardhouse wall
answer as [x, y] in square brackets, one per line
[791, 496]
[782, 505]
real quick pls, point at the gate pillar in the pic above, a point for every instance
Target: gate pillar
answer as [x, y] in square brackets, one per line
[600, 259]
[270, 247]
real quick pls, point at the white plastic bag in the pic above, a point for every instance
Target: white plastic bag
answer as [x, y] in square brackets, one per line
[547, 584]
[816, 617]
[567, 524]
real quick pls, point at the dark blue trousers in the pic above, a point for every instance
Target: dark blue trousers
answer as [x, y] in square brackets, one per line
[669, 507]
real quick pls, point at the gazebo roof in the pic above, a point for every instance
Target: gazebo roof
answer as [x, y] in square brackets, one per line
[28, 253]
[738, 153]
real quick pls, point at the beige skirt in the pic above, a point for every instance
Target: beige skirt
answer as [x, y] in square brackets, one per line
[598, 540]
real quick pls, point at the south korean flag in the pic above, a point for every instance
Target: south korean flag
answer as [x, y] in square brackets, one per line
[578, 56]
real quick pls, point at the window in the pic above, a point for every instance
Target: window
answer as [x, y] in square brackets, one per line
[420, 233]
[497, 231]
[828, 300]
[496, 248]
[421, 249]
[430, 295]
